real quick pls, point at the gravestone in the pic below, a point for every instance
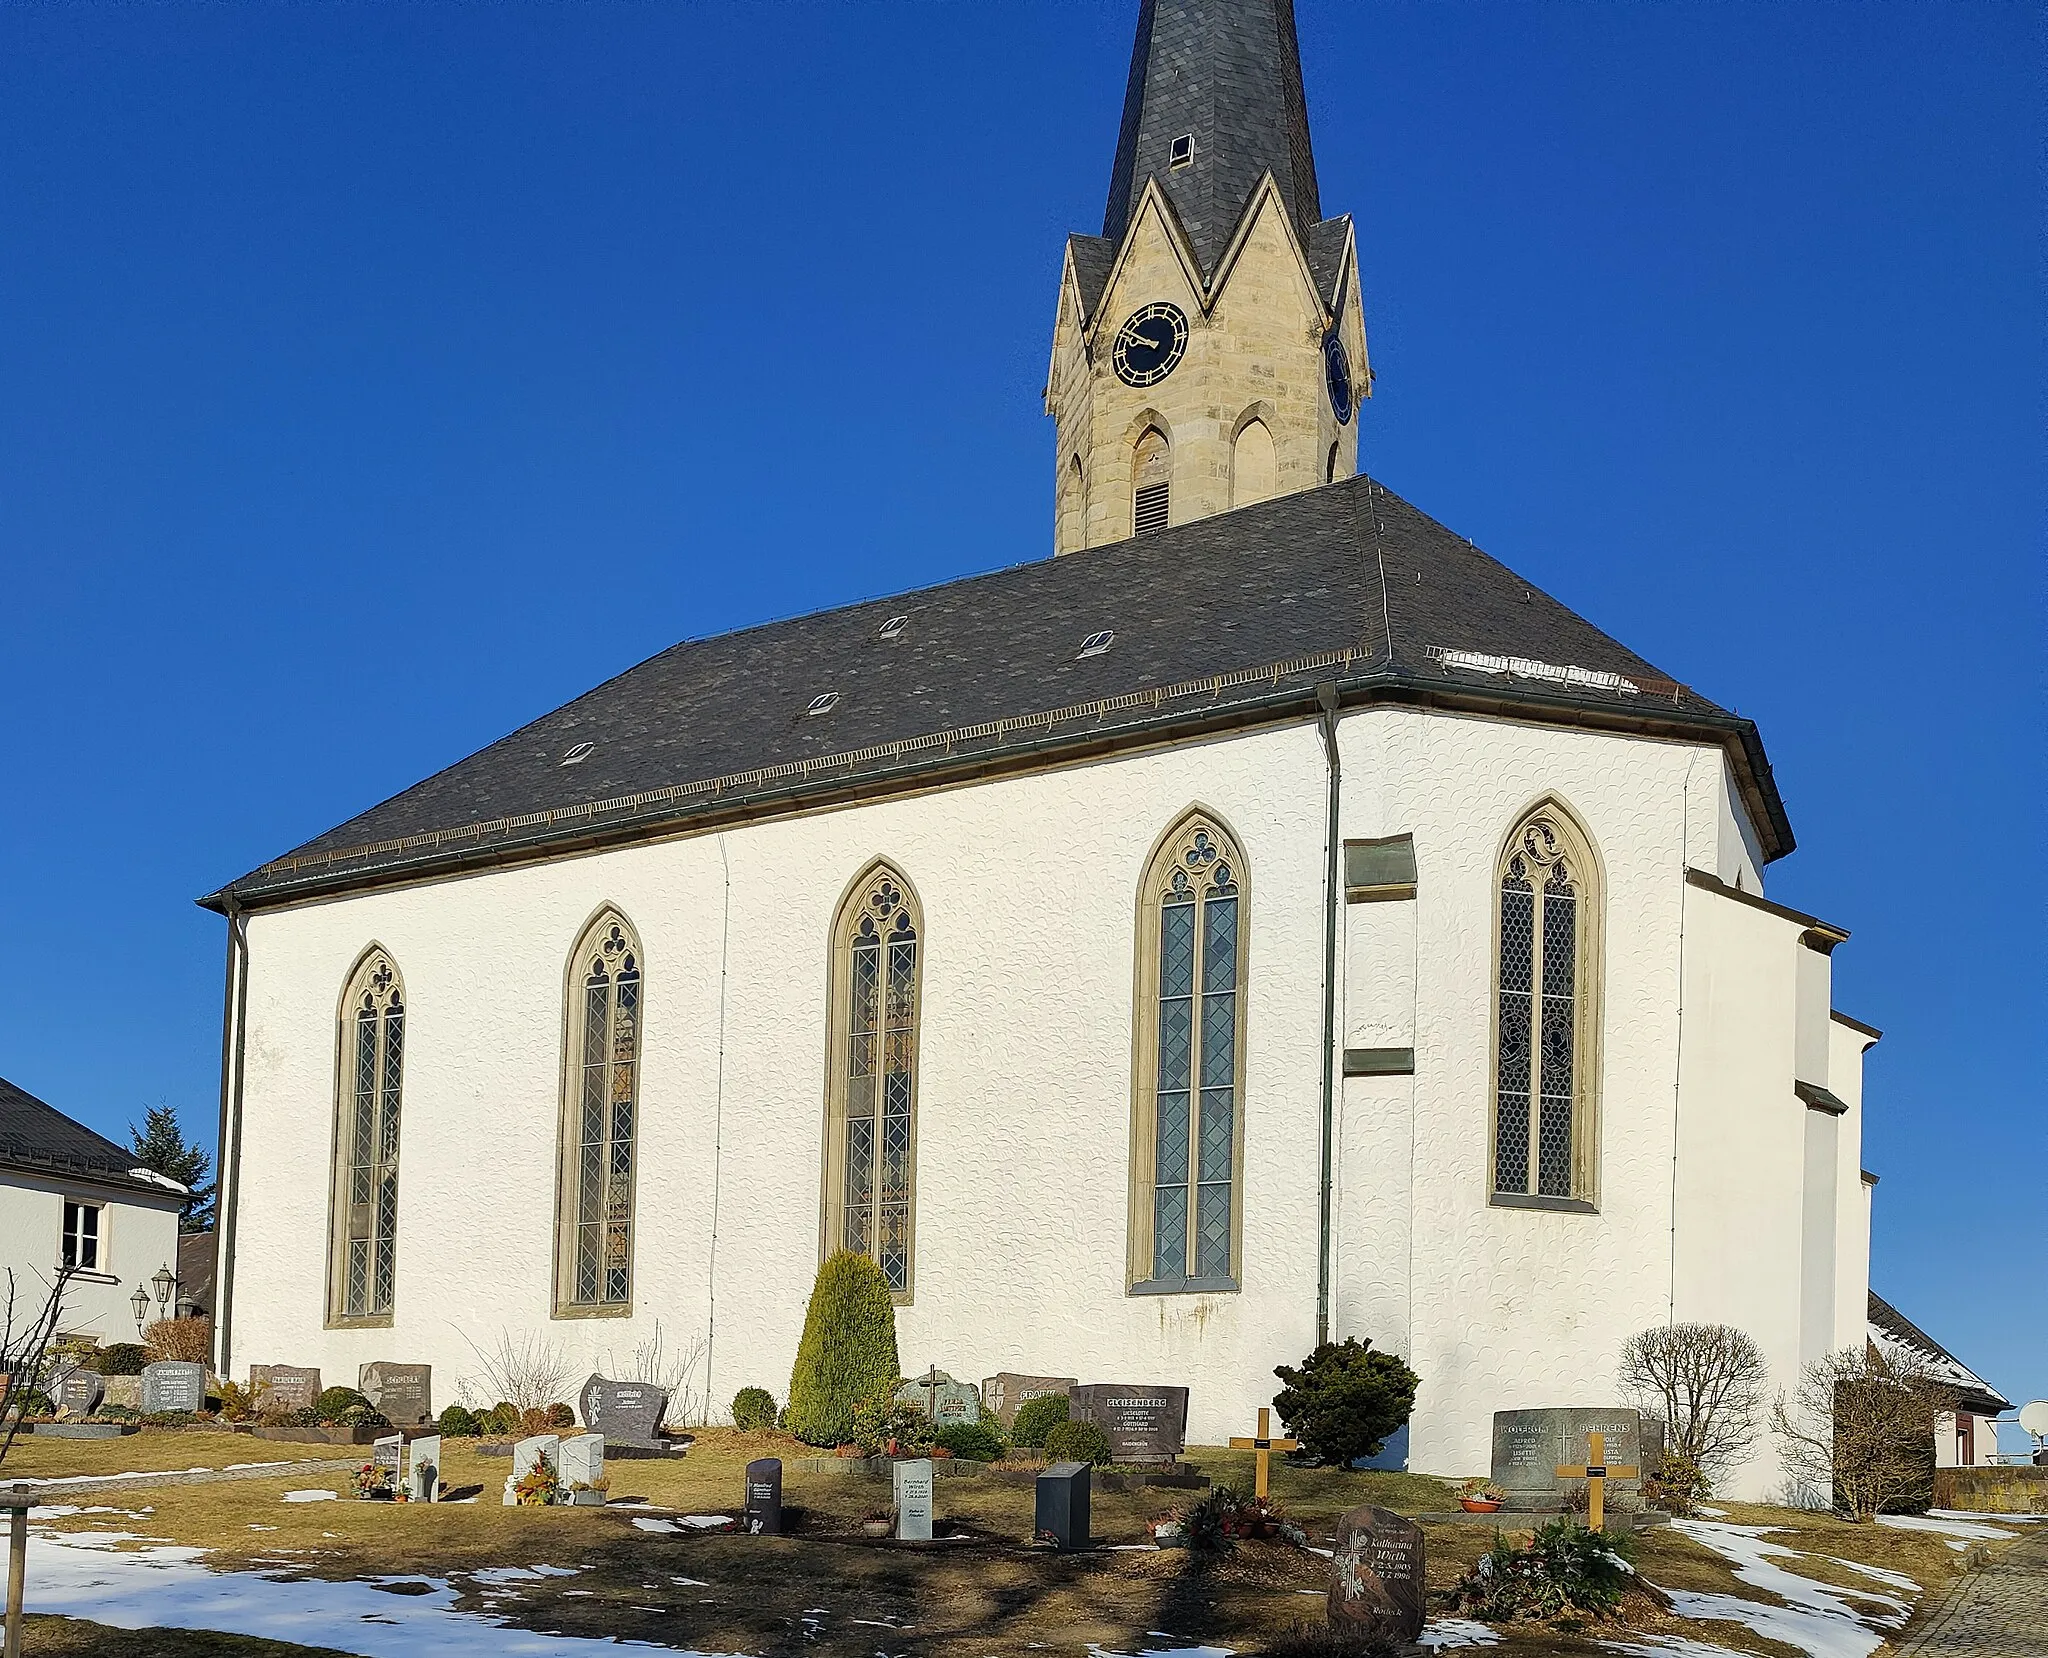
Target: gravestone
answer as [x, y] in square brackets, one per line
[292, 1386]
[403, 1392]
[580, 1461]
[914, 1501]
[423, 1470]
[1003, 1395]
[941, 1398]
[527, 1455]
[1529, 1446]
[1062, 1509]
[386, 1454]
[1143, 1424]
[80, 1393]
[173, 1384]
[763, 1506]
[626, 1413]
[1378, 1587]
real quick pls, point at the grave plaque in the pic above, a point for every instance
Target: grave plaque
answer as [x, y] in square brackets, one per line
[1529, 1446]
[1062, 1514]
[941, 1398]
[914, 1501]
[528, 1455]
[385, 1456]
[1144, 1424]
[580, 1461]
[403, 1392]
[423, 1469]
[80, 1393]
[1002, 1395]
[292, 1386]
[626, 1413]
[1378, 1587]
[173, 1384]
[763, 1507]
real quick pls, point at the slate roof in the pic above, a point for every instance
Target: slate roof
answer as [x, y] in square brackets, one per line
[1890, 1327]
[1222, 622]
[37, 1136]
[1229, 72]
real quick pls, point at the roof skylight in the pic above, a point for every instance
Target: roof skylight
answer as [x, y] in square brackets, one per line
[894, 626]
[577, 755]
[1095, 644]
[823, 704]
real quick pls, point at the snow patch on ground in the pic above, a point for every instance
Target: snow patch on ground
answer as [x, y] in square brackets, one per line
[1817, 1618]
[1670, 1646]
[1973, 1529]
[308, 1497]
[1443, 1634]
[1974, 1514]
[516, 1574]
[1097, 1651]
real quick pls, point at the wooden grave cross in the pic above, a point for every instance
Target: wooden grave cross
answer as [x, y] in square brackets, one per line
[1263, 1446]
[1596, 1473]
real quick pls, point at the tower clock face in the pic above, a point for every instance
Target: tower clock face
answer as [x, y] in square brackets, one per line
[1337, 372]
[1149, 344]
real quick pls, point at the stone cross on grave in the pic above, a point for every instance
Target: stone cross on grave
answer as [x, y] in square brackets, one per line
[1264, 1446]
[930, 1383]
[1596, 1474]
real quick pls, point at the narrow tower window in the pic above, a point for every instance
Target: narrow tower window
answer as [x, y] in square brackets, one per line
[1254, 465]
[600, 1119]
[363, 1218]
[1151, 475]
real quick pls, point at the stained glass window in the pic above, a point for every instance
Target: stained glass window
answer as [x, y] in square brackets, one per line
[876, 1085]
[1541, 1104]
[603, 1115]
[366, 1181]
[1196, 893]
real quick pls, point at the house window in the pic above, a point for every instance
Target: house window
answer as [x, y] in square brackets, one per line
[1187, 1113]
[871, 1133]
[1151, 478]
[81, 1236]
[364, 1211]
[1546, 1015]
[600, 1118]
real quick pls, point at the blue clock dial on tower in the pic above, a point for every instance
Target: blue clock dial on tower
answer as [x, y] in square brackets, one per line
[1150, 343]
[1337, 374]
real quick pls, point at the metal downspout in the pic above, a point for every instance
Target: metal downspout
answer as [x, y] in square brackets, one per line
[1333, 893]
[228, 1154]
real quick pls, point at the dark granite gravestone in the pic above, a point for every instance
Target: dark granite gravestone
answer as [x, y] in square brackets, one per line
[1144, 1424]
[1062, 1509]
[173, 1384]
[80, 1393]
[1003, 1395]
[403, 1392]
[626, 1413]
[763, 1507]
[1529, 1446]
[292, 1386]
[1378, 1587]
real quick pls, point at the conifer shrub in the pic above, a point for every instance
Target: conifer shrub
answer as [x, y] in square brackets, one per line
[502, 1420]
[121, 1358]
[1344, 1400]
[460, 1422]
[979, 1441]
[333, 1401]
[753, 1409]
[848, 1350]
[1036, 1416]
[1076, 1442]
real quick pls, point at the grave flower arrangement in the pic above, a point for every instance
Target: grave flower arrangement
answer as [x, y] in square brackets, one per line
[539, 1486]
[1564, 1572]
[370, 1482]
[1480, 1497]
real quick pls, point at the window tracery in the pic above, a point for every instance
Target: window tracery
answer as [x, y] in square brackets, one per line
[364, 1217]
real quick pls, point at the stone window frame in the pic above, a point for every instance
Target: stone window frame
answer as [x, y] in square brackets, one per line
[1260, 412]
[1140, 1267]
[1151, 424]
[853, 901]
[1589, 996]
[569, 1142]
[375, 984]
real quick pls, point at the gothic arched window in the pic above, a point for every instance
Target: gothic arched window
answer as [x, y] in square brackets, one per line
[600, 1119]
[1151, 482]
[1187, 1112]
[363, 1211]
[1073, 528]
[1254, 465]
[1547, 1014]
[871, 1085]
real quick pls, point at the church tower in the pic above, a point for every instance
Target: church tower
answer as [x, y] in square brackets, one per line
[1209, 349]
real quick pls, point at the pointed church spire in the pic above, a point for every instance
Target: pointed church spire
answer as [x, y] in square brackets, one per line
[1214, 102]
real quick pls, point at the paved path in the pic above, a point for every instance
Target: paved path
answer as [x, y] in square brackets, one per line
[62, 1490]
[2000, 1611]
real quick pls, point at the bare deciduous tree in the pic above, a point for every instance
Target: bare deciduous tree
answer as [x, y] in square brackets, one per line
[1707, 1381]
[529, 1374]
[1862, 1427]
[25, 1340]
[668, 1368]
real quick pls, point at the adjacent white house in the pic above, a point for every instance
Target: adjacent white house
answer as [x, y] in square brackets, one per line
[74, 1203]
[1966, 1437]
[1269, 919]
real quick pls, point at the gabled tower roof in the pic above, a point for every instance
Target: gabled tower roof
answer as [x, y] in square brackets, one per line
[1227, 72]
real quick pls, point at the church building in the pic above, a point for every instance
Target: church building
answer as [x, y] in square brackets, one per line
[1268, 918]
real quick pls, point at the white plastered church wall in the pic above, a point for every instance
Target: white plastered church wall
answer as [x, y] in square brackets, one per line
[137, 1238]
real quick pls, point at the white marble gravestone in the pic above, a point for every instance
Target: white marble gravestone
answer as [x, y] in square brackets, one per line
[914, 1501]
[386, 1455]
[527, 1455]
[423, 1469]
[580, 1461]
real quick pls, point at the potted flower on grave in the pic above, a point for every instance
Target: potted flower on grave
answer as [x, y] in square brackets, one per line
[1481, 1497]
[878, 1522]
[370, 1483]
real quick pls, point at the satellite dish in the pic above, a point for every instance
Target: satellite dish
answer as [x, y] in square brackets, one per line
[2034, 1418]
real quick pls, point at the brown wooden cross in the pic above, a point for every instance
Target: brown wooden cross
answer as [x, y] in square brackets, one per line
[1596, 1474]
[1264, 1446]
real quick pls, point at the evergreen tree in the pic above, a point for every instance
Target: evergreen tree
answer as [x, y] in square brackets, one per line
[160, 1146]
[848, 1351]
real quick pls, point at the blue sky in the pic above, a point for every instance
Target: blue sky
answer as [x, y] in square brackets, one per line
[374, 378]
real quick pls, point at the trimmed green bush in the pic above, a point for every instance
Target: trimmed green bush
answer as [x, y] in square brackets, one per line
[121, 1358]
[365, 1415]
[1076, 1442]
[753, 1409]
[459, 1422]
[981, 1441]
[334, 1400]
[1036, 1416]
[1344, 1400]
[501, 1420]
[848, 1349]
[879, 1423]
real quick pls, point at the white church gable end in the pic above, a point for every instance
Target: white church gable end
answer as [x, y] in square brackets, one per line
[1072, 939]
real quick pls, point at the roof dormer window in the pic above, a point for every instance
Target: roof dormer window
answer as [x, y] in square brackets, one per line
[1183, 152]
